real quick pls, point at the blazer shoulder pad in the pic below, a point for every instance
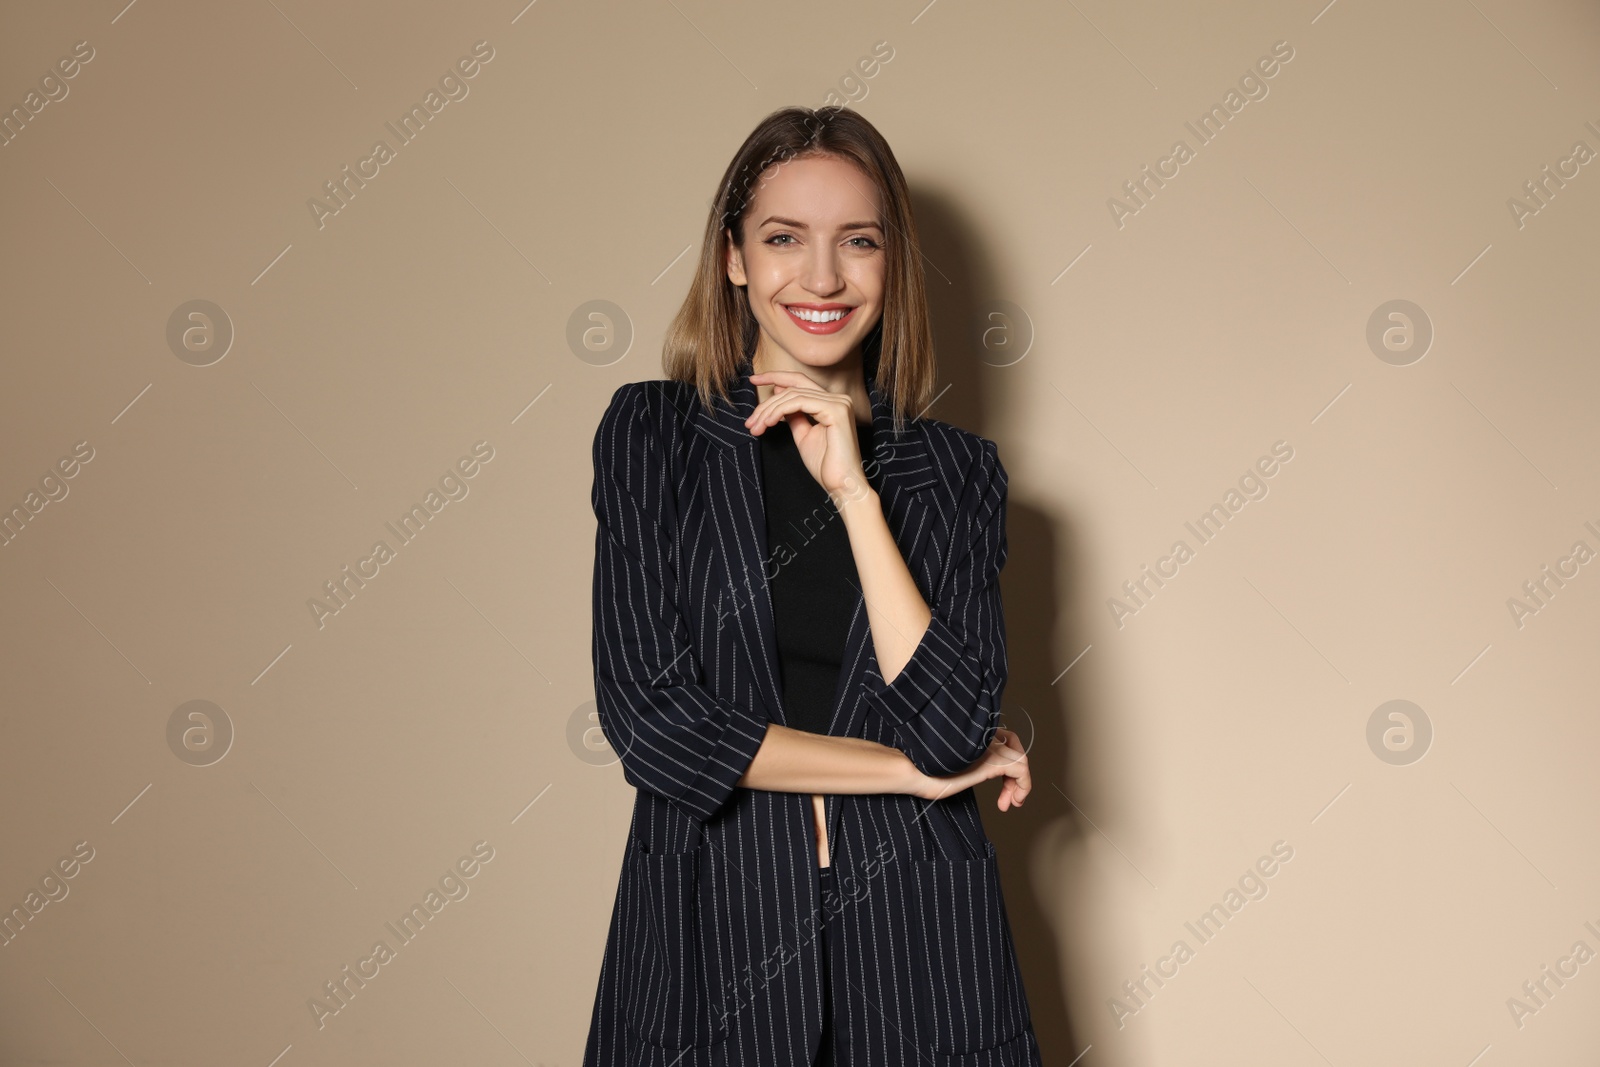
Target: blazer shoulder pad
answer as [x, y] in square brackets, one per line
[965, 459]
[663, 408]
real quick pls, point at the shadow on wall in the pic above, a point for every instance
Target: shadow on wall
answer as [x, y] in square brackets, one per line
[1047, 834]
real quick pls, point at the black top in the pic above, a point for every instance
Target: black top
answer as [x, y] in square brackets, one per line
[812, 578]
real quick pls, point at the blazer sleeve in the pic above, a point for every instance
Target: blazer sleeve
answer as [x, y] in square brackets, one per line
[945, 702]
[674, 736]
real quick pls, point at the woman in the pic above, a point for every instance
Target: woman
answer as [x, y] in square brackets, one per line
[799, 649]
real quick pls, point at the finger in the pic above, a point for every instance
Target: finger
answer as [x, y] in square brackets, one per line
[1007, 745]
[785, 377]
[769, 411]
[808, 397]
[820, 404]
[1024, 784]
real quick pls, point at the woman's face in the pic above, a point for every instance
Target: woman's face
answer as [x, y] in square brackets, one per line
[813, 249]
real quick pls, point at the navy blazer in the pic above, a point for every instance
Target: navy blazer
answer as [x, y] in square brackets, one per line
[713, 950]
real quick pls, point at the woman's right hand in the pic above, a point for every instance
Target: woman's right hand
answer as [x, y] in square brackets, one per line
[1005, 758]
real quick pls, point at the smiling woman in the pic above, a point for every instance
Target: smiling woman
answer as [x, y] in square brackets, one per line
[807, 739]
[812, 191]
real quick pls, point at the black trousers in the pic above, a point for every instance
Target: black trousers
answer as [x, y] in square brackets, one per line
[829, 896]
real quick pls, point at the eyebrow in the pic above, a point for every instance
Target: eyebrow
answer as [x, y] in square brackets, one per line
[797, 224]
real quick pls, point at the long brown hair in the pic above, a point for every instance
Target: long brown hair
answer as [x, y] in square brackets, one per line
[714, 333]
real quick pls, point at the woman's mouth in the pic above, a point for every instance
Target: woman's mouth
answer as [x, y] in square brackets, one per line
[819, 320]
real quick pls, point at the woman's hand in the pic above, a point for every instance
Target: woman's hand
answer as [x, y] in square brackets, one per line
[1006, 757]
[828, 445]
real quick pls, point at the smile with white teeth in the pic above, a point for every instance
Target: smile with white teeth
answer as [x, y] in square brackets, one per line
[818, 316]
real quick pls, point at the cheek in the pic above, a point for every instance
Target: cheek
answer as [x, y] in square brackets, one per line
[869, 279]
[872, 299]
[767, 279]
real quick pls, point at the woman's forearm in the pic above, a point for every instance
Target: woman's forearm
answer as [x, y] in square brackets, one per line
[896, 611]
[798, 761]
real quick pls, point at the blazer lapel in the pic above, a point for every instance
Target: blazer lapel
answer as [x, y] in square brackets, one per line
[732, 487]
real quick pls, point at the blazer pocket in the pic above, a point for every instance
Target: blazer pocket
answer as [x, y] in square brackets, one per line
[969, 994]
[669, 1003]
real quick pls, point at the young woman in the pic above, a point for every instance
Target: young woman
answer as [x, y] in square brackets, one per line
[799, 649]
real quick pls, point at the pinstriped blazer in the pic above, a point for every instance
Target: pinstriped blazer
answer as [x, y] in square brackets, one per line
[713, 951]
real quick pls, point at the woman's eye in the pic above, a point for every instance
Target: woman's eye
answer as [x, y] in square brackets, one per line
[784, 240]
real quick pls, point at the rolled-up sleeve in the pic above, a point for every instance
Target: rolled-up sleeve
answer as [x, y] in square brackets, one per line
[674, 736]
[945, 702]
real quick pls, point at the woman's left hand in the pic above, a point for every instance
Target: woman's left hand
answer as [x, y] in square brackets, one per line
[1006, 758]
[828, 445]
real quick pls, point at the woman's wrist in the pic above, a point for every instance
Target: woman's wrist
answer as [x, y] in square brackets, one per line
[912, 781]
[858, 502]
[900, 774]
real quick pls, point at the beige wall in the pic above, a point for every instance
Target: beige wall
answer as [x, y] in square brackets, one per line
[338, 770]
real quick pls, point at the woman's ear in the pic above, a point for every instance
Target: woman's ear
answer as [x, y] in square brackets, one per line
[735, 264]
